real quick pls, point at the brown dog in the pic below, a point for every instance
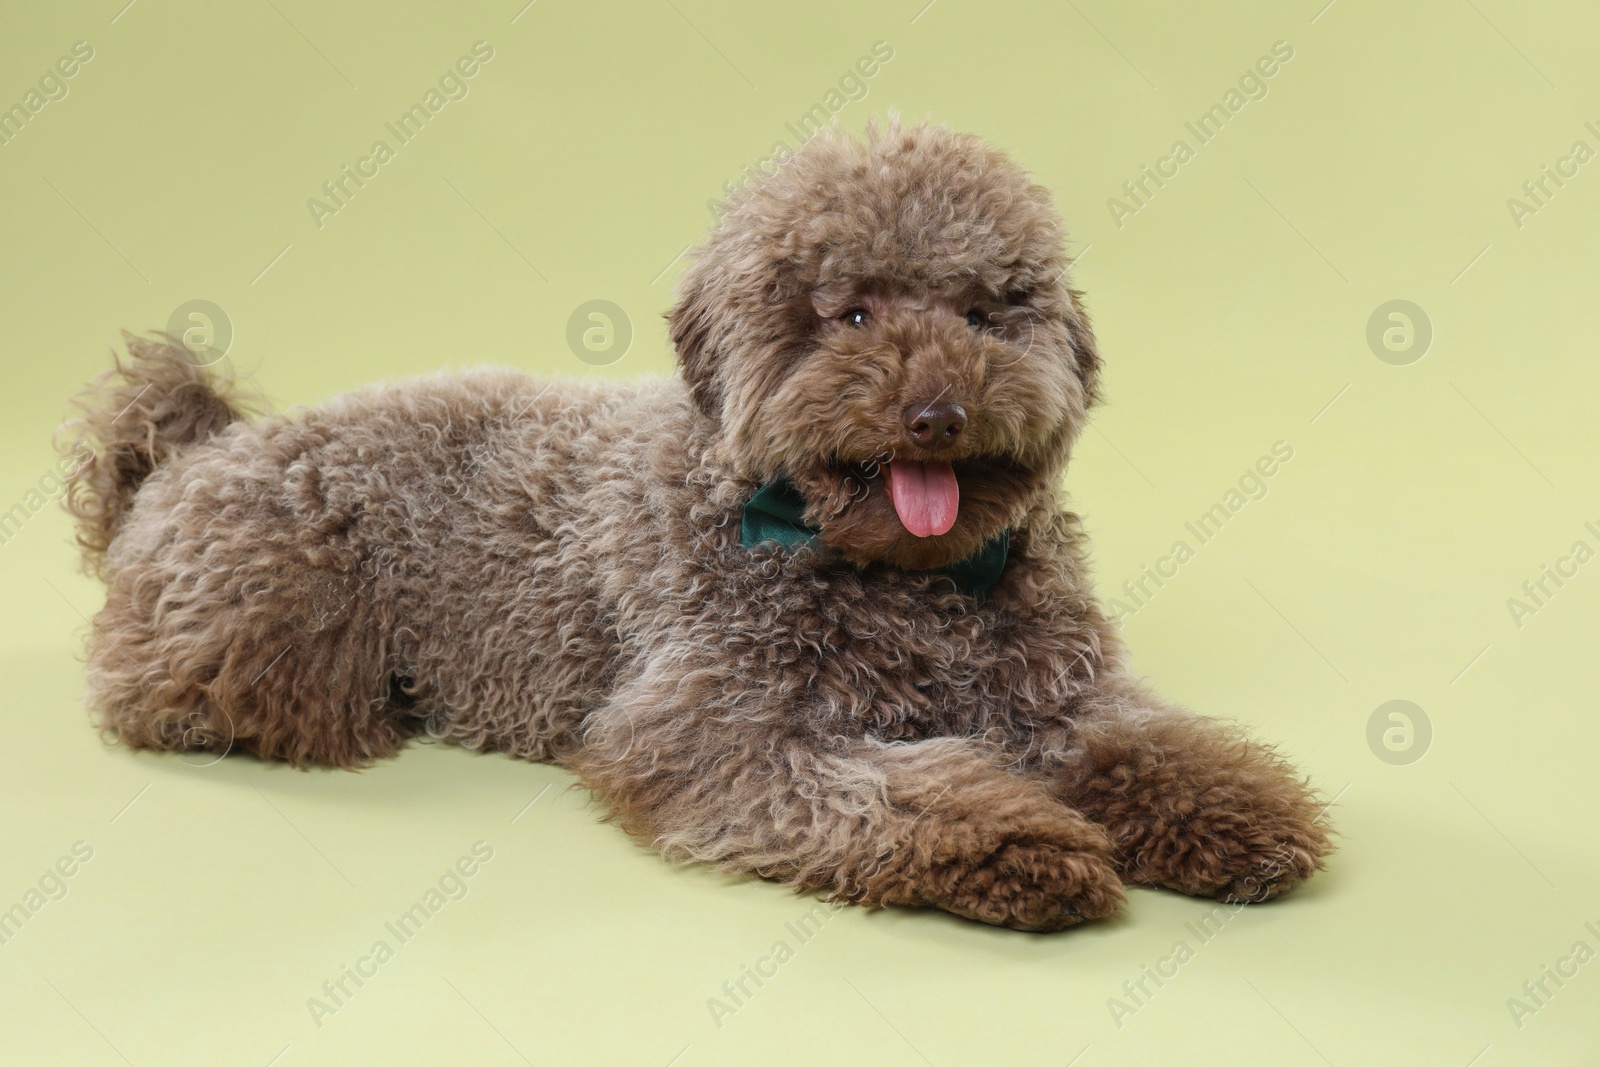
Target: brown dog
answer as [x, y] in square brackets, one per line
[813, 612]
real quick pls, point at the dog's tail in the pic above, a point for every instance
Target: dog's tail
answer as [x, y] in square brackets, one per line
[152, 404]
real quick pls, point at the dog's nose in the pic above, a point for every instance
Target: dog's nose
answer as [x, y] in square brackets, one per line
[937, 424]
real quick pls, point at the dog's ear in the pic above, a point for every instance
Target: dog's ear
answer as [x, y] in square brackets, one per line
[696, 334]
[1086, 354]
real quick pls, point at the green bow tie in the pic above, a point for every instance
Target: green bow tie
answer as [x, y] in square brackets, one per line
[776, 513]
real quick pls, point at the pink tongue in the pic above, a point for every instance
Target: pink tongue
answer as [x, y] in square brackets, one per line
[925, 495]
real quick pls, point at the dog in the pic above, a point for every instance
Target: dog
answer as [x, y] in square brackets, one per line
[812, 609]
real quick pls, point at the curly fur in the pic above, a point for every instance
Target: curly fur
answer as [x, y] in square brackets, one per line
[139, 414]
[554, 571]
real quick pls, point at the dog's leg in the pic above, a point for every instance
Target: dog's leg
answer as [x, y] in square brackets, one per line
[980, 841]
[935, 823]
[276, 657]
[1191, 803]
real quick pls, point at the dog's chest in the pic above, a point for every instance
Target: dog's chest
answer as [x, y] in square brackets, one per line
[901, 659]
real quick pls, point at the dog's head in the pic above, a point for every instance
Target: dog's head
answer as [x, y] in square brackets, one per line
[888, 324]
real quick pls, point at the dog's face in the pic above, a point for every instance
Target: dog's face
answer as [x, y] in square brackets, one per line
[888, 324]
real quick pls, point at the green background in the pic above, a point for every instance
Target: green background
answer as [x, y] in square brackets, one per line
[1232, 309]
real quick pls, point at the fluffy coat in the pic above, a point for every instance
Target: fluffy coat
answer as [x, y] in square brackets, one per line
[555, 571]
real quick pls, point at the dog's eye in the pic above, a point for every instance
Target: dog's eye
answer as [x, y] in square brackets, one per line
[855, 317]
[976, 319]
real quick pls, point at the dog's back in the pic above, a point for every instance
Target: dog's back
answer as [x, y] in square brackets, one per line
[319, 588]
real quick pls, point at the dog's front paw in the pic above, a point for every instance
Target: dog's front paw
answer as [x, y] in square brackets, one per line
[1027, 874]
[1237, 848]
[1253, 865]
[1194, 805]
[1029, 886]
